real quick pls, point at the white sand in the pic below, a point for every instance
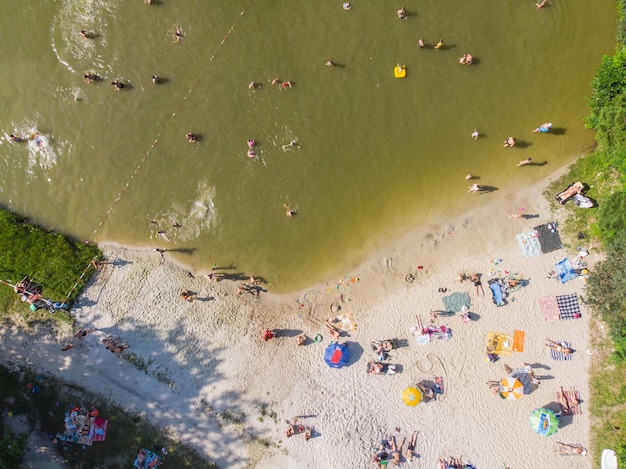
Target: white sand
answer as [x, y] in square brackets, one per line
[213, 368]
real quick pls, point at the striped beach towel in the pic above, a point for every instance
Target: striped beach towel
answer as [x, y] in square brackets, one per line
[556, 355]
[568, 306]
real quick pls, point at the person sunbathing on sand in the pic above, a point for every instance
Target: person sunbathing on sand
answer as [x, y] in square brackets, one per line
[307, 433]
[410, 450]
[567, 406]
[396, 451]
[375, 368]
[566, 449]
[426, 391]
[301, 339]
[475, 279]
[117, 349]
[332, 330]
[558, 347]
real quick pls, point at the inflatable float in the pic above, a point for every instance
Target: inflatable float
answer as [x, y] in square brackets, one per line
[399, 71]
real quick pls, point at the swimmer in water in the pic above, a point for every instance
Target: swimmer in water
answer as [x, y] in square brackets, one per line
[251, 153]
[291, 144]
[290, 211]
[118, 84]
[89, 77]
[15, 139]
[251, 142]
[178, 33]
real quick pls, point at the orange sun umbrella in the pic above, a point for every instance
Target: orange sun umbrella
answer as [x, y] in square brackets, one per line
[511, 388]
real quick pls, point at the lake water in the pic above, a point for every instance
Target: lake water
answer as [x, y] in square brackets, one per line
[378, 155]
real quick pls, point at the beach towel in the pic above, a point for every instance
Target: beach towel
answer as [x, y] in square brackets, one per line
[549, 308]
[565, 270]
[523, 377]
[568, 306]
[345, 322]
[572, 395]
[529, 243]
[518, 341]
[549, 237]
[556, 355]
[455, 302]
[150, 458]
[98, 431]
[496, 291]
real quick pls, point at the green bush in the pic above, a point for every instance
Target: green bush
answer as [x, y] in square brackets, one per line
[608, 83]
[12, 449]
[612, 217]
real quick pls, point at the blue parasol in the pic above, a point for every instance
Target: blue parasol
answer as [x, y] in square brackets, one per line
[337, 355]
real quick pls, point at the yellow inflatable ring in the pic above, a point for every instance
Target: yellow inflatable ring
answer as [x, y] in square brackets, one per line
[399, 72]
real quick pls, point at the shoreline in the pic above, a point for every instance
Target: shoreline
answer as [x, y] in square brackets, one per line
[201, 370]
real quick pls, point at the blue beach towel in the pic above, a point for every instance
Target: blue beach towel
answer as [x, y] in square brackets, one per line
[496, 291]
[565, 271]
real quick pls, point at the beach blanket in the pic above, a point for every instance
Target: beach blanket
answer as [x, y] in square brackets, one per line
[549, 308]
[565, 270]
[522, 375]
[572, 395]
[549, 237]
[568, 306]
[529, 243]
[496, 292]
[455, 302]
[556, 355]
[345, 322]
[98, 431]
[518, 341]
[151, 460]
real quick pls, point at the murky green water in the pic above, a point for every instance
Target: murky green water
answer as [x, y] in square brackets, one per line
[377, 155]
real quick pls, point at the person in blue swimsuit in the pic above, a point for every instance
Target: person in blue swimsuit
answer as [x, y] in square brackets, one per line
[543, 128]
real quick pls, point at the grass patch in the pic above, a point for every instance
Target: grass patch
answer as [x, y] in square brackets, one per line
[57, 263]
[608, 396]
[45, 410]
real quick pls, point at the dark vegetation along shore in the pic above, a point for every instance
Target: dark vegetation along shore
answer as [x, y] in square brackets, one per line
[58, 264]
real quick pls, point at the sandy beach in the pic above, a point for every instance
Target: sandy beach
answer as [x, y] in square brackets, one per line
[202, 370]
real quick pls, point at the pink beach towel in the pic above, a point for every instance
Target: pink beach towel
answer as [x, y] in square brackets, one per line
[99, 431]
[549, 308]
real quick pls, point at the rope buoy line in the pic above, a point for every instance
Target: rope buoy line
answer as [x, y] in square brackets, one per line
[152, 146]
